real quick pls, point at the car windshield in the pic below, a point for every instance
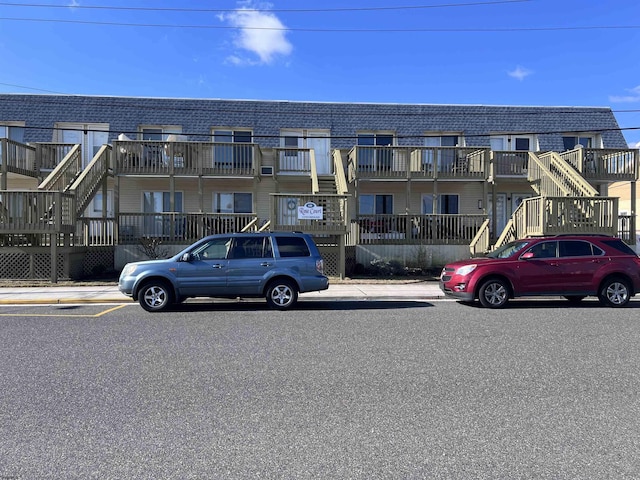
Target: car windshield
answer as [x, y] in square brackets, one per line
[508, 249]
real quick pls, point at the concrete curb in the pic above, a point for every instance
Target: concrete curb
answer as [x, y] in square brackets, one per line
[111, 294]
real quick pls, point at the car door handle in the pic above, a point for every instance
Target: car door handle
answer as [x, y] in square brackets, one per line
[265, 264]
[217, 265]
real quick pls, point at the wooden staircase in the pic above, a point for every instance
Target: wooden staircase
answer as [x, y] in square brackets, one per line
[327, 185]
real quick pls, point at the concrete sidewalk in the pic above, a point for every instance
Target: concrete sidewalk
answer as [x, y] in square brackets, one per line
[53, 294]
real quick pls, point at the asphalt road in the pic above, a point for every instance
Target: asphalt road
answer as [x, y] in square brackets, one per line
[335, 390]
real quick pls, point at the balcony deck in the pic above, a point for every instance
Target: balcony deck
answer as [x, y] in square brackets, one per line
[186, 158]
[404, 163]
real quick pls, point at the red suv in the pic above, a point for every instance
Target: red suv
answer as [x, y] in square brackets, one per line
[572, 266]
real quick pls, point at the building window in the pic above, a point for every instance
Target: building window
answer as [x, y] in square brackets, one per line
[374, 156]
[295, 160]
[512, 143]
[446, 156]
[159, 133]
[233, 148]
[442, 141]
[90, 136]
[447, 204]
[233, 203]
[160, 202]
[12, 132]
[570, 142]
[162, 225]
[154, 154]
[376, 204]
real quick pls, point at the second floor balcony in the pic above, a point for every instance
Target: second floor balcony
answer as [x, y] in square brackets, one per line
[390, 162]
[186, 158]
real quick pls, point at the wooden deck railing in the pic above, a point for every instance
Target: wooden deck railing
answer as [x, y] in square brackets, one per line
[87, 183]
[65, 172]
[509, 163]
[625, 232]
[342, 186]
[604, 164]
[431, 229]
[287, 216]
[482, 241]
[49, 155]
[186, 158]
[17, 158]
[293, 161]
[558, 215]
[556, 177]
[418, 162]
[178, 227]
[31, 211]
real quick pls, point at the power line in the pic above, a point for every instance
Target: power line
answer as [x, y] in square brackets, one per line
[288, 10]
[332, 30]
[336, 137]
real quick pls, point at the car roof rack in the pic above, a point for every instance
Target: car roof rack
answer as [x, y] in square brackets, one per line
[582, 235]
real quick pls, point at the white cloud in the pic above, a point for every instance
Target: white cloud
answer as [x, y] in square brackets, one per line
[520, 73]
[633, 97]
[634, 145]
[261, 33]
[73, 3]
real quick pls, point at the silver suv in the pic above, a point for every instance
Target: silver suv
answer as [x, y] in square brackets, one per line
[273, 265]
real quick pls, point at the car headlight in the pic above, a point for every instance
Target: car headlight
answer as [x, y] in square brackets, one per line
[467, 269]
[128, 269]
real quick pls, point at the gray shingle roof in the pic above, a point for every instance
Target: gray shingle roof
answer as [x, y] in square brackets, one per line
[344, 120]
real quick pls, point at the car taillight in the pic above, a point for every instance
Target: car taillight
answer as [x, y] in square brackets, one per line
[320, 266]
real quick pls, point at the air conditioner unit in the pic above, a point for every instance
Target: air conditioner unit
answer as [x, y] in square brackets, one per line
[266, 171]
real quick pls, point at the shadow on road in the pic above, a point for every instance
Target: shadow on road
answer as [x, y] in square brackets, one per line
[587, 303]
[304, 305]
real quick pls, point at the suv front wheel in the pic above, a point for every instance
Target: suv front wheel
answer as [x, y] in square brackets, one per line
[155, 296]
[494, 293]
[281, 294]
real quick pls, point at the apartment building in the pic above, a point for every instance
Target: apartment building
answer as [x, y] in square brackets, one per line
[87, 181]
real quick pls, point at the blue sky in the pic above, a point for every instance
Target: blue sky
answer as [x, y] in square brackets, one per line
[528, 52]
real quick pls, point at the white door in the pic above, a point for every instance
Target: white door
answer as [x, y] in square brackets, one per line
[516, 200]
[90, 136]
[287, 211]
[295, 162]
[320, 145]
[501, 212]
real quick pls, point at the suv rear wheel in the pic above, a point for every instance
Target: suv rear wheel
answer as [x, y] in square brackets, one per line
[494, 293]
[614, 292]
[282, 294]
[155, 296]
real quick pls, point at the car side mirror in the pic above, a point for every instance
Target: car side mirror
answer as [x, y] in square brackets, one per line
[527, 256]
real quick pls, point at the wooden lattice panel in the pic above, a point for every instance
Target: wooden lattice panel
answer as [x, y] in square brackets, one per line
[14, 265]
[98, 261]
[331, 256]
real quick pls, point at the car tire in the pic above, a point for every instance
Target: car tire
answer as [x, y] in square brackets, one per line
[281, 295]
[614, 292]
[575, 298]
[155, 296]
[494, 293]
